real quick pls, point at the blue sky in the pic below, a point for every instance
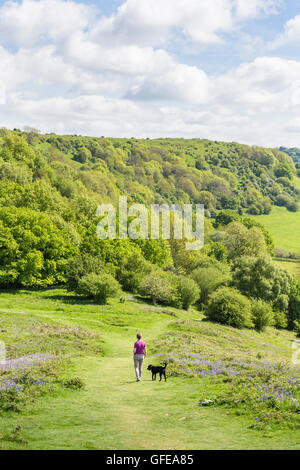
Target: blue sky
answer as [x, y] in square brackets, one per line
[225, 69]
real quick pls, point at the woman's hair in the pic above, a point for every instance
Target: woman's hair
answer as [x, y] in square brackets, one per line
[139, 336]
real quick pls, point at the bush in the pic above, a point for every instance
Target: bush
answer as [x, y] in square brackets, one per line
[280, 320]
[297, 328]
[188, 291]
[229, 307]
[262, 314]
[209, 278]
[283, 200]
[132, 271]
[262, 279]
[75, 383]
[79, 267]
[160, 287]
[293, 206]
[294, 304]
[99, 287]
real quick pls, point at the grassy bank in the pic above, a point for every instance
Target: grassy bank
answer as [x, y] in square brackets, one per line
[112, 411]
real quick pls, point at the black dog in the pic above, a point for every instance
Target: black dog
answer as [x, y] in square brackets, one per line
[158, 370]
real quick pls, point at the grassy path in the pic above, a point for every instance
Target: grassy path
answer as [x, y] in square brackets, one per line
[116, 412]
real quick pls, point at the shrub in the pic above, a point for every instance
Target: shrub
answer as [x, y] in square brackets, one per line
[262, 314]
[280, 320]
[241, 241]
[229, 307]
[209, 278]
[81, 266]
[262, 279]
[294, 304]
[188, 291]
[283, 200]
[132, 270]
[99, 287]
[297, 328]
[293, 206]
[160, 287]
[75, 383]
[218, 250]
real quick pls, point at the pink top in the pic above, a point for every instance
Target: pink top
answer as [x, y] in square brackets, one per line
[140, 347]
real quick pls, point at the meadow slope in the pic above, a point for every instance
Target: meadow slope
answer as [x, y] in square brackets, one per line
[115, 412]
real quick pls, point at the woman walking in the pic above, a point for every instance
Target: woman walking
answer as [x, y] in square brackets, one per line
[139, 354]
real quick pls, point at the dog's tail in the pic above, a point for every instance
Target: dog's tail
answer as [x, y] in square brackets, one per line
[165, 363]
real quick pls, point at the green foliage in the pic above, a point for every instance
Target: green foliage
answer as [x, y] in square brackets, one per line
[15, 148]
[261, 314]
[249, 223]
[217, 250]
[262, 279]
[160, 287]
[17, 173]
[74, 383]
[294, 304]
[210, 275]
[188, 291]
[221, 175]
[257, 203]
[83, 155]
[270, 394]
[229, 307]
[283, 170]
[225, 217]
[284, 200]
[156, 251]
[241, 241]
[34, 252]
[79, 267]
[99, 287]
[297, 328]
[280, 320]
[50, 187]
[132, 270]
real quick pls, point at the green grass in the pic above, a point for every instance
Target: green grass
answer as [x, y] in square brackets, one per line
[290, 265]
[115, 412]
[284, 226]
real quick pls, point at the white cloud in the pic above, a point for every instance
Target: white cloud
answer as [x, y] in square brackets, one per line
[181, 83]
[34, 22]
[71, 72]
[152, 22]
[267, 81]
[124, 59]
[248, 9]
[291, 34]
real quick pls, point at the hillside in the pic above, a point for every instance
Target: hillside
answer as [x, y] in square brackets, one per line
[217, 174]
[224, 318]
[204, 359]
[293, 152]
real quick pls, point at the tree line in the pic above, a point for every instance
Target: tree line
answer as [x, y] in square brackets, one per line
[50, 187]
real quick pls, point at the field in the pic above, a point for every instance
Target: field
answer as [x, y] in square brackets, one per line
[284, 226]
[66, 343]
[290, 265]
